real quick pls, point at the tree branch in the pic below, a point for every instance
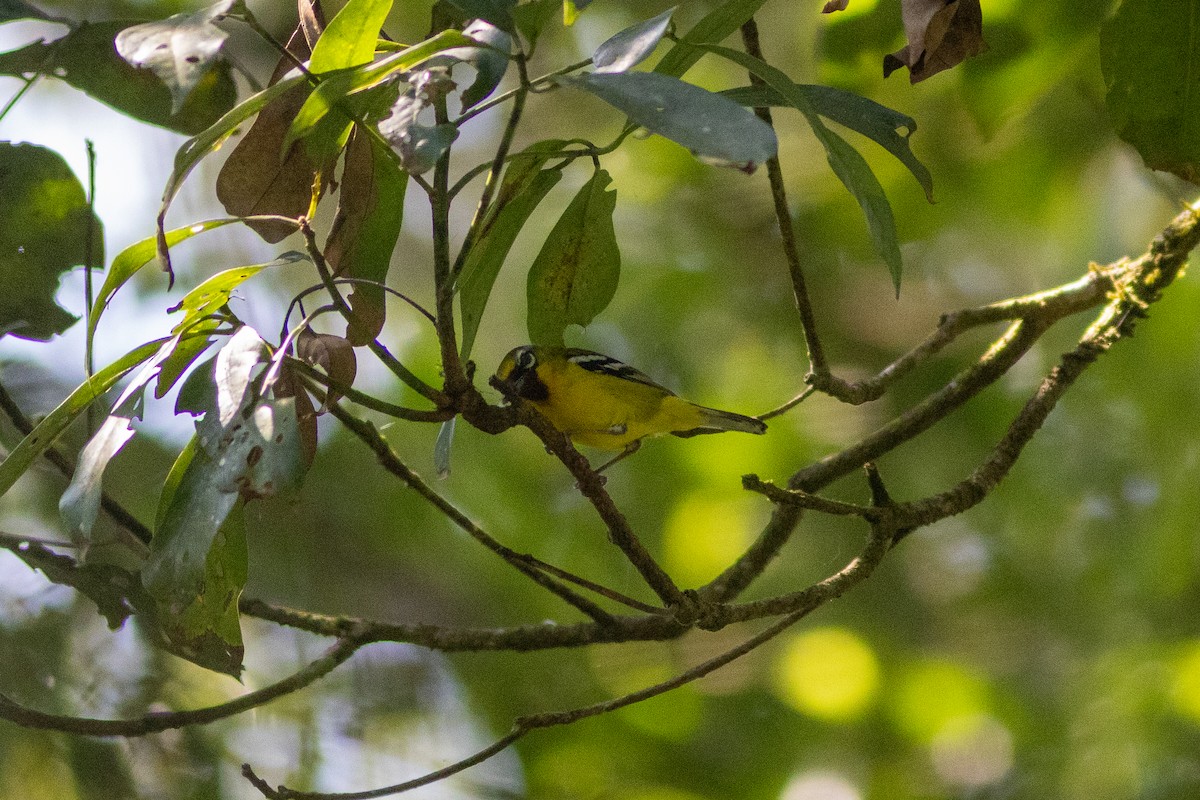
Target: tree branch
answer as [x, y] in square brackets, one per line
[158, 721]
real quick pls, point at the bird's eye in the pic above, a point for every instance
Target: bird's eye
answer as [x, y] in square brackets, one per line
[526, 359]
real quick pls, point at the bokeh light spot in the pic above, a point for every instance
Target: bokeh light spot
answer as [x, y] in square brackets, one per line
[1185, 682]
[933, 694]
[972, 751]
[704, 535]
[828, 673]
[819, 785]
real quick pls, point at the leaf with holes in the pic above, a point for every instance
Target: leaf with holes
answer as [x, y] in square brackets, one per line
[180, 49]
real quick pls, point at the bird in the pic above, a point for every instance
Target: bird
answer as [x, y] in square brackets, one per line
[601, 402]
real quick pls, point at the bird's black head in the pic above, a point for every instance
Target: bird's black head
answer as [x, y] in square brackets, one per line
[518, 371]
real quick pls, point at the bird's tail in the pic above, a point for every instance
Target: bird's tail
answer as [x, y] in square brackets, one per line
[716, 421]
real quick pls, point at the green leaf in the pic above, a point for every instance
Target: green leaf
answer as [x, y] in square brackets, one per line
[632, 46]
[197, 566]
[497, 12]
[45, 221]
[1150, 57]
[877, 122]
[86, 59]
[246, 447]
[572, 9]
[847, 163]
[524, 186]
[714, 128]
[185, 354]
[80, 503]
[41, 437]
[339, 84]
[214, 292]
[712, 28]
[350, 38]
[180, 49]
[574, 277]
[137, 255]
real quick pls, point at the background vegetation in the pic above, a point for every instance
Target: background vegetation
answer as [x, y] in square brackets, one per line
[1044, 644]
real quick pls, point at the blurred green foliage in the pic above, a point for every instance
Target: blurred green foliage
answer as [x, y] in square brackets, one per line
[1045, 644]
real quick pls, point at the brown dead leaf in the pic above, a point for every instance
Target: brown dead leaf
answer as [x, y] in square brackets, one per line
[333, 354]
[253, 179]
[941, 34]
[835, 5]
[364, 233]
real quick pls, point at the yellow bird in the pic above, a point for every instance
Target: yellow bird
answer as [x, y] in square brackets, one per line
[600, 402]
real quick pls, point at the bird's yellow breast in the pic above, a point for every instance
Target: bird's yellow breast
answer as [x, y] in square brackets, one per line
[608, 412]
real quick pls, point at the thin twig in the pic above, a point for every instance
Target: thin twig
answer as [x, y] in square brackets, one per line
[158, 721]
[853, 573]
[367, 432]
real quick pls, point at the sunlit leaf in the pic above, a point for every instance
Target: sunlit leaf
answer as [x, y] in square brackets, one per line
[525, 184]
[86, 59]
[235, 363]
[340, 84]
[632, 46]
[877, 122]
[179, 49]
[214, 292]
[1149, 52]
[80, 503]
[490, 61]
[574, 277]
[349, 39]
[714, 128]
[137, 255]
[45, 217]
[365, 230]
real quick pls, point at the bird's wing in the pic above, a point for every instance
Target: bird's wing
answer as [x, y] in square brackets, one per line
[607, 365]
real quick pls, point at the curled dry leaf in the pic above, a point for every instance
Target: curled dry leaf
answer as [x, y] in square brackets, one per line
[333, 354]
[254, 180]
[835, 5]
[940, 35]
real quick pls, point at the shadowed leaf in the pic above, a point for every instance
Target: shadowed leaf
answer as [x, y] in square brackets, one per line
[1149, 52]
[716, 129]
[86, 59]
[574, 277]
[365, 230]
[45, 221]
